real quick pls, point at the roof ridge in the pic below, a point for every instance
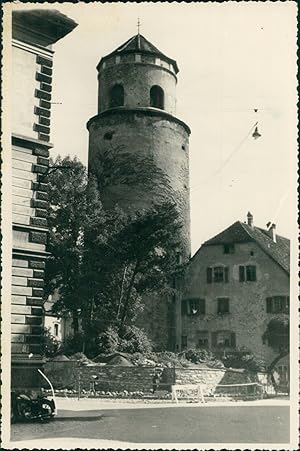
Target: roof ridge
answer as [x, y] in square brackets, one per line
[123, 46]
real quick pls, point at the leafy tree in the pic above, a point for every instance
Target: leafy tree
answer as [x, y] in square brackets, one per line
[104, 262]
[277, 335]
[138, 258]
[50, 344]
[74, 208]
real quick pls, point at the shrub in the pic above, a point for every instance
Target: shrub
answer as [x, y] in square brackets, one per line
[108, 341]
[73, 343]
[130, 339]
[197, 355]
[243, 360]
[133, 340]
[50, 344]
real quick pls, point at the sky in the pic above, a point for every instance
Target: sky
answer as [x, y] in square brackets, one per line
[233, 58]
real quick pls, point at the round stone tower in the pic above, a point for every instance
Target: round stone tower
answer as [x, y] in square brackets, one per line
[136, 116]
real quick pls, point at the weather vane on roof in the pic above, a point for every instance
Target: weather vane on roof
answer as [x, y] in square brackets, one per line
[138, 25]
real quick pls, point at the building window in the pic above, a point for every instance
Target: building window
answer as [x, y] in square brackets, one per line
[223, 306]
[183, 342]
[228, 248]
[217, 274]
[247, 273]
[202, 339]
[116, 96]
[56, 330]
[278, 304]
[157, 97]
[193, 307]
[283, 371]
[223, 339]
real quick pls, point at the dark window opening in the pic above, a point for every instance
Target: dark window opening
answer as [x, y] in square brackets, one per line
[247, 273]
[193, 307]
[116, 96]
[223, 306]
[217, 274]
[56, 330]
[223, 339]
[108, 135]
[202, 340]
[252, 253]
[229, 248]
[157, 97]
[278, 304]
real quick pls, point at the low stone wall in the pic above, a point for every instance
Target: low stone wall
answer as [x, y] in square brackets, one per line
[63, 375]
[117, 379]
[210, 377]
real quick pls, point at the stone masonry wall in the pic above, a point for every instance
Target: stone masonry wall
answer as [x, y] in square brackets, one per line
[247, 316]
[132, 379]
[118, 378]
[137, 80]
[144, 134]
[166, 141]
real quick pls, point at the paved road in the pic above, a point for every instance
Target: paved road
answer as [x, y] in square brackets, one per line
[178, 424]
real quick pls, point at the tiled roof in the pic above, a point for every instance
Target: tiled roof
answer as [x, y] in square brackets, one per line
[141, 44]
[240, 232]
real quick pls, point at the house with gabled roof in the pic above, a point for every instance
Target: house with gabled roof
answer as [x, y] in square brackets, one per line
[235, 284]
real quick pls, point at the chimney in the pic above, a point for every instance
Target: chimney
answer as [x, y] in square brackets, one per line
[250, 219]
[272, 231]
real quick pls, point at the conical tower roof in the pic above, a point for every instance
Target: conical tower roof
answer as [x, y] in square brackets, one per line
[139, 43]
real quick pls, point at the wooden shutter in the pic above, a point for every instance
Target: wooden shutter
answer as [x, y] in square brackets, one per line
[226, 271]
[202, 306]
[209, 275]
[269, 304]
[242, 273]
[232, 340]
[184, 307]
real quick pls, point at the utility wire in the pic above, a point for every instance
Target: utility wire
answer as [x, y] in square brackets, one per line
[196, 187]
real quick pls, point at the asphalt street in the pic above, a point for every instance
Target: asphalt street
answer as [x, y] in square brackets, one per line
[178, 424]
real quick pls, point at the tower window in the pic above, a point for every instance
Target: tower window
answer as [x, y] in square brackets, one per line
[157, 97]
[116, 96]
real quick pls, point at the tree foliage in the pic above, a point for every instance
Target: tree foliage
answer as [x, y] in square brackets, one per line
[74, 209]
[277, 335]
[103, 262]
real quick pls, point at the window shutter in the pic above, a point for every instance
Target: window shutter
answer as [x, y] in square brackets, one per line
[209, 275]
[184, 307]
[201, 306]
[232, 341]
[198, 306]
[269, 302]
[242, 273]
[226, 271]
[214, 336]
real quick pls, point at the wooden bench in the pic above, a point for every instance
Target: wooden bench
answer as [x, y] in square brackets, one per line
[188, 387]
